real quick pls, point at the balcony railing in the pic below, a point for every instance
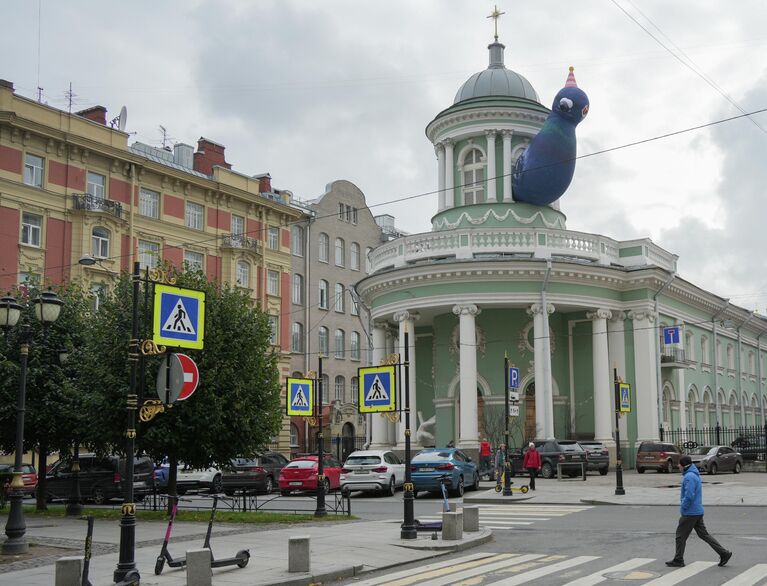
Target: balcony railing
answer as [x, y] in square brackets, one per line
[243, 242]
[669, 356]
[89, 203]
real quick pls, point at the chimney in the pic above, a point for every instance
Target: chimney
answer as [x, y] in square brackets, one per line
[264, 183]
[208, 155]
[95, 113]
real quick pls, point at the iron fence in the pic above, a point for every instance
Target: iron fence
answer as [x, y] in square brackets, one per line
[750, 441]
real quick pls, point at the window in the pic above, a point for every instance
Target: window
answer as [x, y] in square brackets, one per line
[100, 242]
[293, 435]
[94, 185]
[354, 215]
[354, 388]
[243, 274]
[238, 225]
[99, 292]
[194, 215]
[149, 203]
[340, 343]
[33, 170]
[148, 253]
[298, 240]
[324, 341]
[730, 357]
[348, 213]
[340, 388]
[689, 344]
[274, 326]
[193, 260]
[31, 229]
[355, 303]
[340, 246]
[339, 299]
[341, 212]
[298, 289]
[473, 178]
[704, 357]
[323, 301]
[297, 337]
[355, 257]
[273, 238]
[29, 279]
[325, 381]
[272, 283]
[354, 346]
[323, 253]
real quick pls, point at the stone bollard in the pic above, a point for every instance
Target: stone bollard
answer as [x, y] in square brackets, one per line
[470, 518]
[452, 526]
[198, 570]
[69, 571]
[298, 554]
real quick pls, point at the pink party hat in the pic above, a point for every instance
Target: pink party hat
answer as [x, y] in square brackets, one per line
[571, 78]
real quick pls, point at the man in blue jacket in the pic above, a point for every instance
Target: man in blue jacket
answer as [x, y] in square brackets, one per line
[691, 509]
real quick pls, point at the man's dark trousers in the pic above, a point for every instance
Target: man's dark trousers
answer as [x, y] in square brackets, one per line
[683, 530]
[533, 473]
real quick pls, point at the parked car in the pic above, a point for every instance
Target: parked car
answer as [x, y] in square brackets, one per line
[161, 473]
[301, 474]
[659, 456]
[377, 470]
[188, 478]
[598, 456]
[751, 447]
[433, 466]
[28, 477]
[713, 459]
[101, 478]
[259, 473]
[568, 453]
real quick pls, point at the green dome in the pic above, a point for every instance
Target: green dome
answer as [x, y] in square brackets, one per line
[496, 80]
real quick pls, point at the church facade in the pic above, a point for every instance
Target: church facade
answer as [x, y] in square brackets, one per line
[498, 277]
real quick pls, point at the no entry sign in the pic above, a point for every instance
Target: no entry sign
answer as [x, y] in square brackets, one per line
[177, 378]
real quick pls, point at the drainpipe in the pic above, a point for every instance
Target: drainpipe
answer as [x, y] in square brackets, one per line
[740, 368]
[131, 227]
[657, 348]
[548, 414]
[759, 376]
[717, 406]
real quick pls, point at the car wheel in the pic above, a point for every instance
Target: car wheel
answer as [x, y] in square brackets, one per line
[640, 470]
[269, 488]
[284, 493]
[603, 471]
[326, 485]
[97, 496]
[547, 471]
[475, 484]
[669, 465]
[218, 484]
[712, 468]
[736, 470]
[460, 489]
[392, 489]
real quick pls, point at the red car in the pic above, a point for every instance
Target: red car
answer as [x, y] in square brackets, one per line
[28, 476]
[301, 474]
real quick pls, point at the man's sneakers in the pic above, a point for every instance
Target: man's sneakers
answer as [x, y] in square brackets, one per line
[676, 564]
[724, 558]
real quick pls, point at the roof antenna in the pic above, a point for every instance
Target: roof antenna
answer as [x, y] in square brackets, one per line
[39, 37]
[165, 137]
[70, 96]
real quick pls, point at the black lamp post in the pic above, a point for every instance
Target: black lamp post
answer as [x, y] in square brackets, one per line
[46, 308]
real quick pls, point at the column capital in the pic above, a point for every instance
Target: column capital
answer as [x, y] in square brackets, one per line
[537, 308]
[439, 147]
[618, 316]
[507, 133]
[401, 316]
[641, 315]
[468, 309]
[491, 133]
[447, 142]
[599, 314]
[382, 325]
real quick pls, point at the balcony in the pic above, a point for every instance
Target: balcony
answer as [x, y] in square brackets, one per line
[672, 358]
[88, 203]
[241, 242]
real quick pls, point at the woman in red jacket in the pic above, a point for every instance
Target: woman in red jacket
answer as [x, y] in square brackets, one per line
[532, 462]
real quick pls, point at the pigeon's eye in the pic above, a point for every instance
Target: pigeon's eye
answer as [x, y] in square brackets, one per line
[565, 104]
[585, 110]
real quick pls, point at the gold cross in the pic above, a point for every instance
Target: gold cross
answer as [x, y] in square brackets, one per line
[495, 15]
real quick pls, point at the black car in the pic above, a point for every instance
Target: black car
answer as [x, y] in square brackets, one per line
[751, 447]
[568, 453]
[258, 474]
[101, 478]
[598, 456]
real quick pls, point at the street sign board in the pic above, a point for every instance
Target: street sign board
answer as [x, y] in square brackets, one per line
[513, 396]
[177, 378]
[671, 336]
[513, 410]
[300, 397]
[179, 317]
[624, 396]
[513, 377]
[377, 389]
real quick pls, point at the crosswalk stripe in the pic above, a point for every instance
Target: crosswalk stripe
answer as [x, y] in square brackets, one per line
[525, 520]
[599, 576]
[681, 574]
[508, 525]
[546, 570]
[750, 577]
[483, 569]
[463, 561]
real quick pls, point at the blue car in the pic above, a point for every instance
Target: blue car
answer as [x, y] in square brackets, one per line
[433, 466]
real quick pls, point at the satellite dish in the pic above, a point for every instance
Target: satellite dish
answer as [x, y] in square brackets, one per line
[122, 119]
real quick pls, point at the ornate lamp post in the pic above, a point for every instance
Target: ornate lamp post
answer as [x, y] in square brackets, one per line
[46, 308]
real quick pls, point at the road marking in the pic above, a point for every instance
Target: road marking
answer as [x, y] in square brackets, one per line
[483, 569]
[749, 577]
[681, 574]
[466, 561]
[599, 576]
[546, 570]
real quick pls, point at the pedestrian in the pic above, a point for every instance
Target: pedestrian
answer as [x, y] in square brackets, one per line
[691, 509]
[532, 462]
[485, 453]
[500, 461]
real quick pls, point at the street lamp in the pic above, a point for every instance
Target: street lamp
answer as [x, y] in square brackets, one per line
[46, 308]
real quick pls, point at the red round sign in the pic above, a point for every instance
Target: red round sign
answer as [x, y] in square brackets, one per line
[191, 376]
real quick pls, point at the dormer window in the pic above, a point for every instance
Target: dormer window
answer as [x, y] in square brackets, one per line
[473, 175]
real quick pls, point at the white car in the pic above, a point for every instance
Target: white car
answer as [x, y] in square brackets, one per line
[377, 470]
[195, 479]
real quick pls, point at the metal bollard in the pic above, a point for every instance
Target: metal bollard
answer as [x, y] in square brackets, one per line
[299, 559]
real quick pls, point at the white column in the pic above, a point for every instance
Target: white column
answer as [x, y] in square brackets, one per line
[616, 341]
[646, 368]
[492, 193]
[601, 374]
[406, 322]
[379, 436]
[507, 134]
[544, 400]
[449, 176]
[468, 417]
[440, 150]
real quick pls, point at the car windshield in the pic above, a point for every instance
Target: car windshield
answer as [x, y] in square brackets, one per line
[571, 447]
[302, 464]
[363, 460]
[649, 448]
[430, 456]
[703, 450]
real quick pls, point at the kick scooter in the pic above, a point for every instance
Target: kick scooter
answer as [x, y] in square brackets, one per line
[500, 481]
[240, 559]
[164, 553]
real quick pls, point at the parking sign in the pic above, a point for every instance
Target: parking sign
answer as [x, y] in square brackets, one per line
[513, 377]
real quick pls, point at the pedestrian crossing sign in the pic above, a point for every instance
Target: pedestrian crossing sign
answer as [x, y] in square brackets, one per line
[300, 397]
[377, 389]
[624, 393]
[179, 317]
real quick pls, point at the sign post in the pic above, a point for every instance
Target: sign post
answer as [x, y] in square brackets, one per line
[408, 529]
[320, 511]
[511, 381]
[621, 390]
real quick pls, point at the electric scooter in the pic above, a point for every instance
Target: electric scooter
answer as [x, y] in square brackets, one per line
[499, 485]
[131, 578]
[164, 553]
[240, 559]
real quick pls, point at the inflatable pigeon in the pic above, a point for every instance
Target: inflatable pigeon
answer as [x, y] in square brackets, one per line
[545, 169]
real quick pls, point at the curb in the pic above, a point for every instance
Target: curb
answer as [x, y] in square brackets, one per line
[486, 500]
[483, 536]
[305, 579]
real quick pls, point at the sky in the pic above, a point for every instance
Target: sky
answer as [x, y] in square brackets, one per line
[316, 91]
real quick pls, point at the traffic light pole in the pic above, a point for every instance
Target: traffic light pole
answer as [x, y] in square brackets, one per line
[618, 457]
[320, 511]
[506, 461]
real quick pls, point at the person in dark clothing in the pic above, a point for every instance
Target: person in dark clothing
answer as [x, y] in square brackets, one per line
[532, 462]
[691, 509]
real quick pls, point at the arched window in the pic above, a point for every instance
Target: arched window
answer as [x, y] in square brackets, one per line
[473, 174]
[340, 388]
[354, 346]
[339, 298]
[325, 385]
[293, 435]
[340, 343]
[243, 274]
[689, 344]
[100, 240]
[340, 252]
[297, 240]
[704, 357]
[355, 256]
[297, 337]
[719, 353]
[324, 250]
[324, 341]
[730, 357]
[668, 395]
[298, 289]
[324, 291]
[691, 408]
[354, 389]
[734, 412]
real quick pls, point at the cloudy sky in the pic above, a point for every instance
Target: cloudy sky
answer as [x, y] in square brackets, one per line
[314, 91]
